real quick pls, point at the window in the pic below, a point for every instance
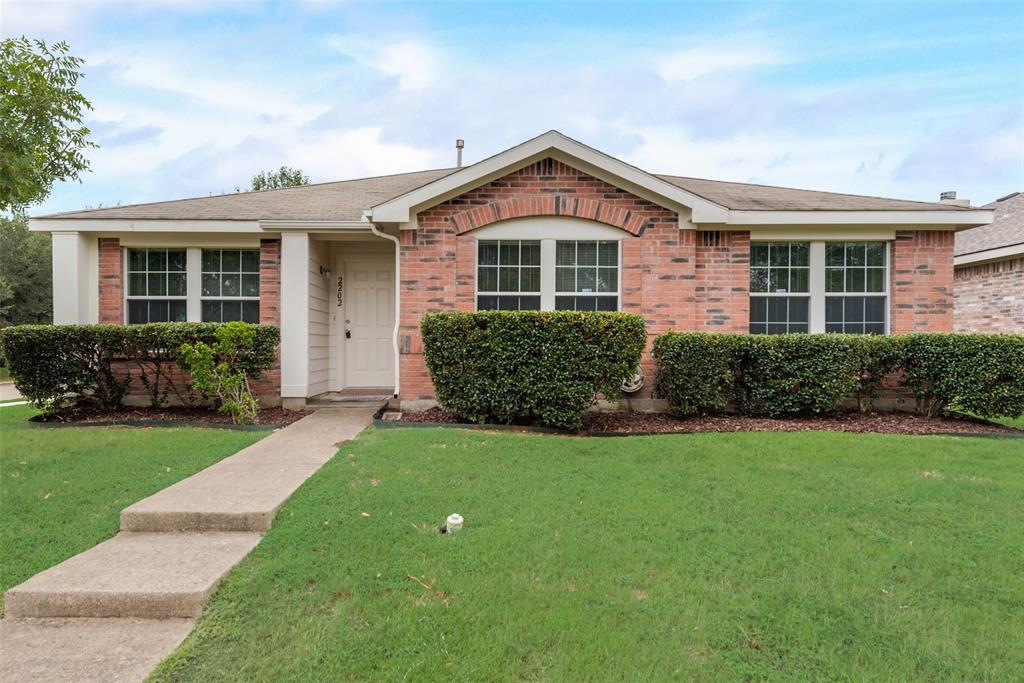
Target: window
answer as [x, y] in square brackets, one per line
[855, 268]
[779, 287]
[231, 285]
[508, 275]
[157, 286]
[587, 276]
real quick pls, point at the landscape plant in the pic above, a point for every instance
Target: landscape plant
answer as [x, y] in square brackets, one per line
[217, 373]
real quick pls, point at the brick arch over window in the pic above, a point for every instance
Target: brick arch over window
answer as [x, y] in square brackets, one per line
[563, 205]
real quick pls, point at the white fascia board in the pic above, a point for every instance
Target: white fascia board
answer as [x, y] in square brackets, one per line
[399, 209]
[922, 220]
[128, 225]
[808, 233]
[1011, 251]
[276, 225]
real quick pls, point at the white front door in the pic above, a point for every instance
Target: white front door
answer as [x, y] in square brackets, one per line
[369, 293]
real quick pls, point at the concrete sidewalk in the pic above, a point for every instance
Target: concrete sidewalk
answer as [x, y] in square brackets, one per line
[153, 578]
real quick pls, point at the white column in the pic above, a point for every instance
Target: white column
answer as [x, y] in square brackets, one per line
[547, 275]
[71, 281]
[194, 284]
[816, 313]
[294, 314]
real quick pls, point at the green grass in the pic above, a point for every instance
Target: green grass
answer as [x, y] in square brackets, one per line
[62, 490]
[812, 556]
[1017, 422]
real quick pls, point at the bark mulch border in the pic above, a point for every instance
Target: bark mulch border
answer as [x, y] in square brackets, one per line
[197, 422]
[380, 423]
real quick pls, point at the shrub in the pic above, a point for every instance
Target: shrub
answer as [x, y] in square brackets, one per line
[696, 372]
[59, 365]
[876, 358]
[505, 366]
[218, 374]
[981, 374]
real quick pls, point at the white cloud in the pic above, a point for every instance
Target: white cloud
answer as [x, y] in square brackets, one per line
[694, 62]
[416, 64]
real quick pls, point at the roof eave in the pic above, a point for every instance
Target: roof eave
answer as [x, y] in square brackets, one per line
[940, 219]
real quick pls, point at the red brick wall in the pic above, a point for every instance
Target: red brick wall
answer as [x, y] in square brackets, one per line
[921, 282]
[723, 282]
[111, 284]
[990, 297]
[270, 313]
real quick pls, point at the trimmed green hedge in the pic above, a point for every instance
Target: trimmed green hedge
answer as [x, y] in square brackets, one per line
[506, 366]
[59, 364]
[792, 374]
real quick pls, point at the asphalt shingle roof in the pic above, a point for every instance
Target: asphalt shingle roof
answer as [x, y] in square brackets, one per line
[347, 200]
[1006, 228]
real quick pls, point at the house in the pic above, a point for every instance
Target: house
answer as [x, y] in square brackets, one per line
[348, 268]
[989, 271]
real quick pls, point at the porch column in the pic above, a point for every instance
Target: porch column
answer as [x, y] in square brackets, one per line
[75, 274]
[294, 314]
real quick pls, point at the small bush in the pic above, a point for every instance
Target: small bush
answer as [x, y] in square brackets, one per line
[696, 372]
[981, 374]
[505, 366]
[217, 371]
[876, 358]
[61, 365]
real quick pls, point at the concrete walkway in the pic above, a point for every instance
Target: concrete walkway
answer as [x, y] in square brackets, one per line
[8, 392]
[152, 579]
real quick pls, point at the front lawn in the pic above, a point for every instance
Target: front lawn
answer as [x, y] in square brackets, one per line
[813, 556]
[63, 489]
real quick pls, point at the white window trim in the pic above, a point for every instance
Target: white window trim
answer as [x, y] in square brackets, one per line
[193, 281]
[818, 295]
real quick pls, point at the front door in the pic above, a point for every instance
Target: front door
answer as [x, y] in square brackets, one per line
[369, 323]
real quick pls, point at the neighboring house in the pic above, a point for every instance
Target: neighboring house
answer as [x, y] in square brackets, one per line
[989, 271]
[348, 268]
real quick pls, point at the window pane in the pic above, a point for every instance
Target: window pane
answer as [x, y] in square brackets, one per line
[777, 309]
[250, 261]
[874, 309]
[230, 285]
[211, 260]
[759, 308]
[529, 279]
[799, 253]
[136, 284]
[250, 285]
[138, 312]
[607, 303]
[176, 284]
[586, 279]
[231, 311]
[486, 303]
[855, 254]
[178, 311]
[565, 279]
[211, 311]
[759, 254]
[834, 280]
[855, 280]
[876, 254]
[509, 254]
[586, 253]
[874, 328]
[779, 253]
[565, 254]
[137, 259]
[853, 310]
[529, 255]
[488, 254]
[759, 279]
[157, 284]
[798, 280]
[758, 328]
[529, 303]
[251, 312]
[158, 312]
[157, 259]
[876, 280]
[176, 260]
[488, 279]
[833, 310]
[777, 328]
[211, 285]
[231, 261]
[778, 280]
[834, 254]
[508, 279]
[833, 327]
[607, 280]
[798, 311]
[608, 253]
[800, 328]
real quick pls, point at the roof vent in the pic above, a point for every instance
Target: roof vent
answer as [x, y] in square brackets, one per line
[459, 144]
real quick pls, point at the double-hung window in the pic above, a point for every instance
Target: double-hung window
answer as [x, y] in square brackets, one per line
[855, 287]
[548, 274]
[779, 287]
[157, 286]
[508, 275]
[231, 285]
[818, 287]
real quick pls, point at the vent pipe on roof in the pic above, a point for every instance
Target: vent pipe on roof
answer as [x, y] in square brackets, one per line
[949, 197]
[459, 144]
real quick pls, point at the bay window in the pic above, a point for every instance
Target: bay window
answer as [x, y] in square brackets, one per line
[818, 287]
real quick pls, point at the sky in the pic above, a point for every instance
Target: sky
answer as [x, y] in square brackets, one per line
[897, 99]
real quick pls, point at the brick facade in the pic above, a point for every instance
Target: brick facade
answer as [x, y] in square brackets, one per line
[269, 386]
[111, 281]
[921, 282]
[989, 297]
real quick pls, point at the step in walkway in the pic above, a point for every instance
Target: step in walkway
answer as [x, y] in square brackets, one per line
[113, 612]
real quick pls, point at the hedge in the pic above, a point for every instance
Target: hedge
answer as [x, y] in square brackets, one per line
[67, 364]
[547, 367]
[701, 373]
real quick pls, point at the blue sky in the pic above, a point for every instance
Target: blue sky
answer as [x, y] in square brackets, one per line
[902, 99]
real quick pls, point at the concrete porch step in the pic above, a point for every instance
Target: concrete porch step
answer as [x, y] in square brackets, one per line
[85, 650]
[149, 575]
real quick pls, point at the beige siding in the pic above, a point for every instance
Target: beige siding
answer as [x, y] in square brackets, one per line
[319, 327]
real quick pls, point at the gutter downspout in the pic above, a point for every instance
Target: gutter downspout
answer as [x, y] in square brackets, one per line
[398, 296]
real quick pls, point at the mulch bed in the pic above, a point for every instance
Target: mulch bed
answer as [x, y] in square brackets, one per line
[624, 422]
[195, 416]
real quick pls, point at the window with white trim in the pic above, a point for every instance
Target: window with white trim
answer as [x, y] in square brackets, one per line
[856, 284]
[587, 275]
[779, 287]
[231, 285]
[508, 275]
[157, 286]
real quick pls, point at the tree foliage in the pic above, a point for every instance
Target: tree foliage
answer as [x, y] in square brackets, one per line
[42, 139]
[26, 277]
[282, 177]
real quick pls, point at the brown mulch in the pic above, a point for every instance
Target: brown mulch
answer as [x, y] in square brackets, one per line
[625, 422]
[267, 416]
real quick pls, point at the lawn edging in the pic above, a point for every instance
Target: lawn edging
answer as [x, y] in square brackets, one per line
[50, 424]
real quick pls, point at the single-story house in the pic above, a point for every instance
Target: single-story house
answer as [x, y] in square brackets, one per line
[348, 268]
[988, 266]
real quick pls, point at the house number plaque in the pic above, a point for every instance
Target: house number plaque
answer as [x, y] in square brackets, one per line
[341, 290]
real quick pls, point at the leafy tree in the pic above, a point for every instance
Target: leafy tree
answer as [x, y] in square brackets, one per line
[283, 177]
[42, 139]
[26, 278]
